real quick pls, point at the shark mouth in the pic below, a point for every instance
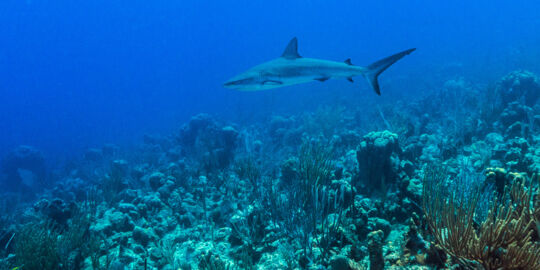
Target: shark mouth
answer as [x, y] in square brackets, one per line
[272, 82]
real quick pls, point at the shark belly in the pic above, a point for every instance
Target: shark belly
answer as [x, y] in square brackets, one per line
[298, 80]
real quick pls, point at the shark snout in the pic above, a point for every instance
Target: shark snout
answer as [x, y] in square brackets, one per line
[228, 83]
[232, 84]
[237, 83]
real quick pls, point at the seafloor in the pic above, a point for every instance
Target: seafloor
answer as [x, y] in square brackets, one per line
[447, 181]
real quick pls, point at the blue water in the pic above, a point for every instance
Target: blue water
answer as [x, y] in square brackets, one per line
[77, 74]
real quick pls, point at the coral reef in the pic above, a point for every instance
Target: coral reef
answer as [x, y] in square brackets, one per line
[517, 85]
[378, 158]
[504, 239]
[375, 244]
[446, 181]
[24, 168]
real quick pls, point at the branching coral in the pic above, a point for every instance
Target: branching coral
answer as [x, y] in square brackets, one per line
[213, 262]
[310, 209]
[502, 241]
[36, 247]
[315, 164]
[248, 169]
[46, 245]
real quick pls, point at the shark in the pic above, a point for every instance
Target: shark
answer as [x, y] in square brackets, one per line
[291, 69]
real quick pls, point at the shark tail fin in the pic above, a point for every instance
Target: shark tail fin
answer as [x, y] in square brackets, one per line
[375, 69]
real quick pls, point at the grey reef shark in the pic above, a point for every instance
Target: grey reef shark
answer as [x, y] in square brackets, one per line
[291, 68]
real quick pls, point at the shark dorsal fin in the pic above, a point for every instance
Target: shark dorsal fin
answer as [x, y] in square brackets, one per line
[348, 62]
[291, 52]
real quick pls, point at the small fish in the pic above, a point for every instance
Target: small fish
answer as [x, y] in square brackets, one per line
[291, 68]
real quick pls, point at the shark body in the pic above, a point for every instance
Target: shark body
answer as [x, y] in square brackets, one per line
[291, 69]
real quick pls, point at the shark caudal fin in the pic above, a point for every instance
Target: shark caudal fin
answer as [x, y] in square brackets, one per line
[375, 69]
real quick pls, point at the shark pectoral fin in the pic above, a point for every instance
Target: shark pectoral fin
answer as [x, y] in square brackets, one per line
[272, 82]
[350, 79]
[291, 52]
[322, 79]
